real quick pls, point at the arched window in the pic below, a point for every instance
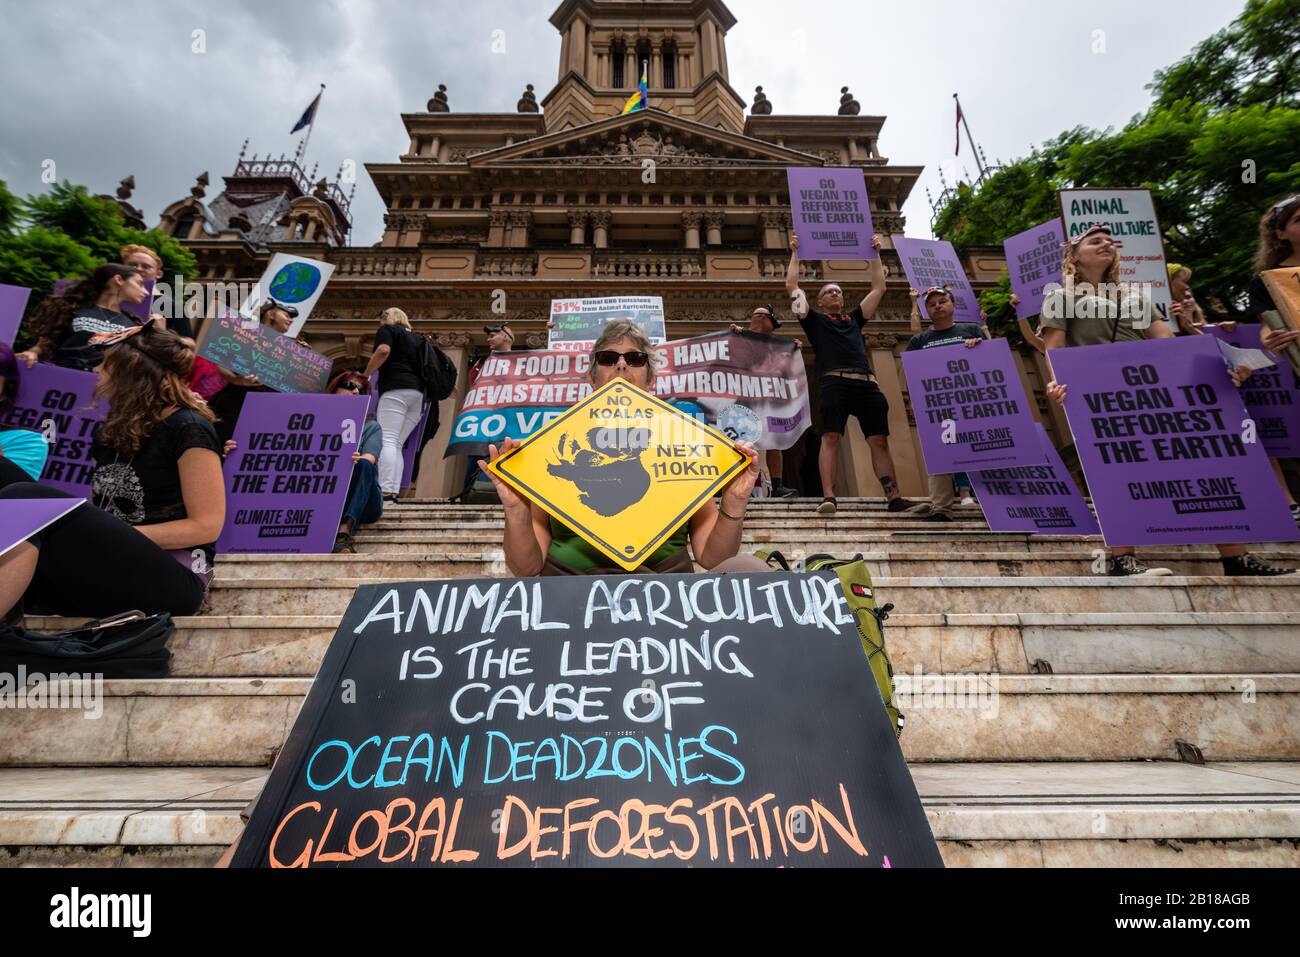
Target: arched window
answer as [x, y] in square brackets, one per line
[183, 225]
[618, 59]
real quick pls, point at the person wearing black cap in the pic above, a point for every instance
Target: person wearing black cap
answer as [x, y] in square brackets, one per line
[848, 385]
[500, 338]
[1095, 308]
[764, 321]
[942, 332]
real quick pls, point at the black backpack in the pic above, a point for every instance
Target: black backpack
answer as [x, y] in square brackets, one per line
[437, 372]
[126, 646]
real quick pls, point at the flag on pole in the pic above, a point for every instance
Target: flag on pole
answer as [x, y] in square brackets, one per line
[640, 99]
[308, 114]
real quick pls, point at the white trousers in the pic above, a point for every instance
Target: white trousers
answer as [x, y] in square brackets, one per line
[398, 412]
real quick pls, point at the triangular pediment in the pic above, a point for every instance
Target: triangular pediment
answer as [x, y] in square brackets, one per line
[646, 134]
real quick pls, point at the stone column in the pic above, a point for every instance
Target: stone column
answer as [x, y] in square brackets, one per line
[773, 227]
[600, 228]
[713, 227]
[691, 223]
[577, 227]
[497, 221]
[520, 222]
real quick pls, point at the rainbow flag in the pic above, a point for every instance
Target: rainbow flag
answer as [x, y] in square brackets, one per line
[640, 99]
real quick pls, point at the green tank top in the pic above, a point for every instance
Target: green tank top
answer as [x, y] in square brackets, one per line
[570, 548]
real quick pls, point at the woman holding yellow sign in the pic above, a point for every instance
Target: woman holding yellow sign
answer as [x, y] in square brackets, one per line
[537, 544]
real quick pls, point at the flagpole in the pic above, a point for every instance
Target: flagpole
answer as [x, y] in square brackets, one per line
[970, 139]
[302, 150]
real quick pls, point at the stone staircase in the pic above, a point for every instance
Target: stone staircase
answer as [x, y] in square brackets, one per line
[1060, 749]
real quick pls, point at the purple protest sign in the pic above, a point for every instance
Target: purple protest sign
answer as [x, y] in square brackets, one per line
[21, 518]
[1158, 426]
[933, 262]
[414, 443]
[831, 213]
[1271, 396]
[59, 403]
[1034, 260]
[1034, 498]
[970, 408]
[287, 480]
[13, 300]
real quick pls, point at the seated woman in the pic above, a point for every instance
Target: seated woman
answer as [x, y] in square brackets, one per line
[64, 323]
[146, 538]
[365, 503]
[536, 544]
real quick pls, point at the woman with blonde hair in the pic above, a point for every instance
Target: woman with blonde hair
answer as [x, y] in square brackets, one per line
[536, 544]
[146, 539]
[396, 356]
[1095, 308]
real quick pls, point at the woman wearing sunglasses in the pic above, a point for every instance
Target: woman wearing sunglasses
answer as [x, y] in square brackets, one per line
[365, 502]
[536, 544]
[146, 537]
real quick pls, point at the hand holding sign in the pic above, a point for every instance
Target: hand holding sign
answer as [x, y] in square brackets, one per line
[514, 503]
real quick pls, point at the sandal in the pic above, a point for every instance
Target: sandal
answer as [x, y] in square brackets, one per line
[343, 544]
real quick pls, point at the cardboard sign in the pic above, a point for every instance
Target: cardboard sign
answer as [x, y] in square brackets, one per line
[287, 480]
[589, 721]
[1041, 499]
[1033, 260]
[1162, 435]
[1271, 395]
[576, 324]
[970, 408]
[59, 403]
[292, 280]
[21, 518]
[623, 469]
[1283, 284]
[1131, 216]
[831, 213]
[933, 262]
[13, 300]
[278, 362]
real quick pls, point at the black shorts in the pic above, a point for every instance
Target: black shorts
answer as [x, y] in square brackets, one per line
[841, 398]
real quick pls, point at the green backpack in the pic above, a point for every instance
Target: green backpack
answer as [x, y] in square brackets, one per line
[855, 581]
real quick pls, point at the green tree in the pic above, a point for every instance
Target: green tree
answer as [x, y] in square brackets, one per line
[1216, 147]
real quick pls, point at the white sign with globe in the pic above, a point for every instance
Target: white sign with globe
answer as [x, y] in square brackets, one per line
[292, 280]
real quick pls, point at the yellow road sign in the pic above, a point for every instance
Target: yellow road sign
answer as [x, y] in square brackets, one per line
[623, 469]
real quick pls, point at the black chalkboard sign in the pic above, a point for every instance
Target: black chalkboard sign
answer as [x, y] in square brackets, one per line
[680, 720]
[253, 349]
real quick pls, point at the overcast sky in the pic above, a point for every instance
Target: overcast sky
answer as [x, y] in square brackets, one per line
[105, 88]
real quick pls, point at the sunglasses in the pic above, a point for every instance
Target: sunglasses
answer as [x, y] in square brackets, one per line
[1282, 204]
[608, 357]
[350, 385]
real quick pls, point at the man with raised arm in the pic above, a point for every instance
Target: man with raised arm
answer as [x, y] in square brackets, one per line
[848, 386]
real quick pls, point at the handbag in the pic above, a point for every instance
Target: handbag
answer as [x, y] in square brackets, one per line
[130, 645]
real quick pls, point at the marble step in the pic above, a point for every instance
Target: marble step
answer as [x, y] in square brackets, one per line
[216, 646]
[244, 721]
[1101, 643]
[916, 595]
[455, 559]
[1134, 814]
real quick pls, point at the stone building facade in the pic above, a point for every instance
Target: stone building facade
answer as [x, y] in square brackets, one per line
[491, 215]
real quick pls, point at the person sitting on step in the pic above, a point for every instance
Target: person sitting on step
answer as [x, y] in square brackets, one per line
[536, 544]
[365, 502]
[64, 323]
[146, 539]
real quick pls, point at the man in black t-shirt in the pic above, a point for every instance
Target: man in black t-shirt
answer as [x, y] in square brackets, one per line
[848, 386]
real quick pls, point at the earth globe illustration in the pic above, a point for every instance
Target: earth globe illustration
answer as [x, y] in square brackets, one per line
[295, 282]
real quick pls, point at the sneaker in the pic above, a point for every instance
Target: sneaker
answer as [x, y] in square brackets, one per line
[925, 508]
[968, 500]
[785, 491]
[827, 507]
[937, 517]
[1242, 565]
[343, 544]
[1126, 565]
[900, 505]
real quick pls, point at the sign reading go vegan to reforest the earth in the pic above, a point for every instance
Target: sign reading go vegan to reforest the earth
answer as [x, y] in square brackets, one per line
[933, 262]
[670, 720]
[59, 403]
[1034, 260]
[831, 213]
[1170, 454]
[287, 479]
[1041, 499]
[622, 469]
[970, 408]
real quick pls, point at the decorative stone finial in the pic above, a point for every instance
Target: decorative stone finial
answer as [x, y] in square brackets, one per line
[439, 102]
[848, 105]
[762, 105]
[528, 102]
[125, 188]
[197, 190]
